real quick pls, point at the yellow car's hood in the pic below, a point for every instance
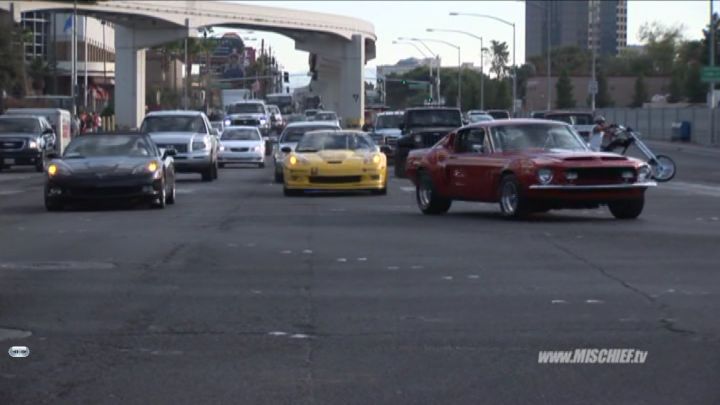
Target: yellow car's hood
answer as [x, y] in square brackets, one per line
[335, 156]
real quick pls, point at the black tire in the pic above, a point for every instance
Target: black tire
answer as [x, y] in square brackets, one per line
[512, 203]
[627, 209]
[40, 164]
[170, 199]
[207, 174]
[161, 201]
[399, 167]
[214, 170]
[428, 200]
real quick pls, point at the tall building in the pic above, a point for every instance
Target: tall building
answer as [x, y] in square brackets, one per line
[570, 25]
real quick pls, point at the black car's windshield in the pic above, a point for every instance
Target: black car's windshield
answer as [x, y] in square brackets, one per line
[107, 146]
[241, 135]
[572, 119]
[389, 121]
[513, 138]
[21, 125]
[173, 123]
[317, 141]
[294, 134]
[434, 118]
[246, 108]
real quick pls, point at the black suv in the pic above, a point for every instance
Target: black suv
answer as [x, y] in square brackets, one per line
[423, 127]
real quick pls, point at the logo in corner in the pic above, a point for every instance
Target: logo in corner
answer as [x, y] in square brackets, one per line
[19, 351]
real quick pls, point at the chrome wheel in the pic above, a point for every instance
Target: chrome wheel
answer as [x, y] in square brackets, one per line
[509, 198]
[663, 168]
[425, 194]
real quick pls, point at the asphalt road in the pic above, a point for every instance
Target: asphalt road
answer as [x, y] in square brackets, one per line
[239, 295]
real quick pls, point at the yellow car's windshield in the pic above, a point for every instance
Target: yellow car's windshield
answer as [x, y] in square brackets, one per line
[318, 141]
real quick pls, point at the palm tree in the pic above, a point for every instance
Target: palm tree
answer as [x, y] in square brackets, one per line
[500, 56]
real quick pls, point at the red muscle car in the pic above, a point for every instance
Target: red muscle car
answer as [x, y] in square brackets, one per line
[526, 165]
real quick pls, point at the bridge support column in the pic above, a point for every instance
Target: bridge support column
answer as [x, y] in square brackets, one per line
[351, 103]
[129, 79]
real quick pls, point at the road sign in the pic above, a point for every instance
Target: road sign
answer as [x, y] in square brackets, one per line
[418, 86]
[710, 74]
[593, 87]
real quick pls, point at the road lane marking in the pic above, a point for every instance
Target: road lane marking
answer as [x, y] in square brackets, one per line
[362, 259]
[299, 336]
[449, 278]
[694, 188]
[277, 333]
[12, 192]
[342, 260]
[286, 252]
[594, 301]
[473, 276]
[407, 189]
[307, 252]
[393, 268]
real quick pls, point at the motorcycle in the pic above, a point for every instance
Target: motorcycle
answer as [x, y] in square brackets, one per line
[663, 167]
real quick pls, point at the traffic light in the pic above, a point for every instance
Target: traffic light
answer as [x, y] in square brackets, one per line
[286, 77]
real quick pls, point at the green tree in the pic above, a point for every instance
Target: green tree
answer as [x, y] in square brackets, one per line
[499, 60]
[640, 96]
[695, 89]
[564, 91]
[603, 98]
[12, 71]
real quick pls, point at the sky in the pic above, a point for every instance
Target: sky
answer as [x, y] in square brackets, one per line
[393, 19]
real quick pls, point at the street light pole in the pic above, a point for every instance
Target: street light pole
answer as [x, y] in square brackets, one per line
[430, 64]
[482, 74]
[437, 60]
[712, 83]
[514, 109]
[459, 63]
[594, 25]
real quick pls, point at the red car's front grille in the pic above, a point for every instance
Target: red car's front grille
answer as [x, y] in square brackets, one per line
[601, 175]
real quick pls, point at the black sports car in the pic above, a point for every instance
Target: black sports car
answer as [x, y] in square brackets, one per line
[111, 166]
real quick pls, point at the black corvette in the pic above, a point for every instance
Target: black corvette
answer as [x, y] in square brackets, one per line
[121, 166]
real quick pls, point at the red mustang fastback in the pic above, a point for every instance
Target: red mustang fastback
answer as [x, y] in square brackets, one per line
[527, 166]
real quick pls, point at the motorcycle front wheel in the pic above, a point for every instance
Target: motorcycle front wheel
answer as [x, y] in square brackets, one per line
[663, 168]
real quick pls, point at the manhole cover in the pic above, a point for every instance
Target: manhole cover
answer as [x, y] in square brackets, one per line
[69, 265]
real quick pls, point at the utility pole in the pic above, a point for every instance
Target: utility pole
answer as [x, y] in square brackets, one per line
[73, 55]
[549, 62]
[482, 76]
[85, 64]
[594, 24]
[712, 83]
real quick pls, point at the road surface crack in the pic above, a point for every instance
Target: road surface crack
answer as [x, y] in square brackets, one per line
[666, 321]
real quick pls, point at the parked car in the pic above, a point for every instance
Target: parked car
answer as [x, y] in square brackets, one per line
[25, 140]
[120, 166]
[334, 160]
[60, 120]
[583, 122]
[526, 166]
[249, 113]
[192, 137]
[242, 145]
[499, 114]
[386, 131]
[290, 136]
[422, 127]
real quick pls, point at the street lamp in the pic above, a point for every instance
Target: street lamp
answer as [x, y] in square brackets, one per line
[482, 74]
[459, 95]
[425, 55]
[513, 55]
[437, 60]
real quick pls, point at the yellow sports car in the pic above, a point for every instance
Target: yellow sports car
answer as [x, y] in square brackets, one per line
[335, 160]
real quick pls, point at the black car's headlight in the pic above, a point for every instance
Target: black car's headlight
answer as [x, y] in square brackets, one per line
[151, 168]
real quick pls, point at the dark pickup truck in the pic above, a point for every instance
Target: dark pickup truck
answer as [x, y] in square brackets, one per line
[423, 127]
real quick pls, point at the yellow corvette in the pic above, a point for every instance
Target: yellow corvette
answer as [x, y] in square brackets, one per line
[335, 160]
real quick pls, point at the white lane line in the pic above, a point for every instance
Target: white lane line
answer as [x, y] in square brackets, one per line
[473, 277]
[307, 252]
[416, 267]
[11, 192]
[299, 336]
[558, 302]
[393, 268]
[341, 259]
[277, 333]
[407, 189]
[693, 188]
[594, 301]
[286, 252]
[184, 190]
[449, 278]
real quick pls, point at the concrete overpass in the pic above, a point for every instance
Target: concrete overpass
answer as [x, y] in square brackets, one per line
[342, 45]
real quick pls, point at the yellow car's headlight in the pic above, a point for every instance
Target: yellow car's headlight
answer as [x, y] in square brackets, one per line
[293, 160]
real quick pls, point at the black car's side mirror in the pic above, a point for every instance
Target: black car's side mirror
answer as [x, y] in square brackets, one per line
[286, 149]
[52, 155]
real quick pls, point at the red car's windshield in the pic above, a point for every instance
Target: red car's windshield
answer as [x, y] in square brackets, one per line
[517, 137]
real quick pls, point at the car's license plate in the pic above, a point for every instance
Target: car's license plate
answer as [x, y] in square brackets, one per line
[8, 161]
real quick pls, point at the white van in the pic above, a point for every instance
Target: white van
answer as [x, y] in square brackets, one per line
[59, 119]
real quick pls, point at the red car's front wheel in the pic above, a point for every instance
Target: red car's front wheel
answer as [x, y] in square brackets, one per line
[512, 202]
